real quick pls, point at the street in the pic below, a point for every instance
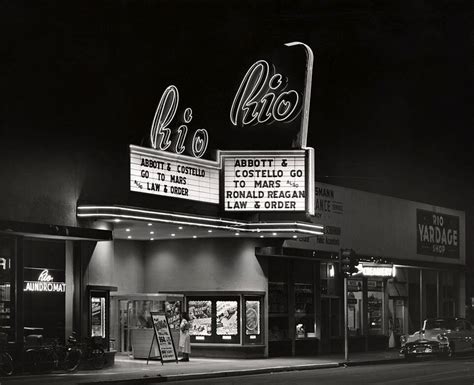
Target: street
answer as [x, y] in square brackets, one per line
[459, 372]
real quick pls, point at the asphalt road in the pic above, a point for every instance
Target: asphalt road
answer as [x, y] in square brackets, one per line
[458, 372]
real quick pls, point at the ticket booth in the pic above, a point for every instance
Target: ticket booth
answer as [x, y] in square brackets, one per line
[131, 323]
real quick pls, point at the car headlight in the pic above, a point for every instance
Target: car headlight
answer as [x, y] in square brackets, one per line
[442, 338]
[403, 340]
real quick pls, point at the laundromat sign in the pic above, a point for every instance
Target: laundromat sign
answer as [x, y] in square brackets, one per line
[45, 283]
[437, 234]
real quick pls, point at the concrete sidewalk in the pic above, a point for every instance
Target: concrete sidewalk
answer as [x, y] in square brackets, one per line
[129, 371]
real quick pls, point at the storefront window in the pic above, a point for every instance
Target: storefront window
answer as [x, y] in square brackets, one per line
[328, 279]
[214, 319]
[304, 298]
[375, 307]
[430, 293]
[98, 317]
[354, 307]
[414, 315]
[7, 284]
[44, 288]
[278, 317]
[448, 290]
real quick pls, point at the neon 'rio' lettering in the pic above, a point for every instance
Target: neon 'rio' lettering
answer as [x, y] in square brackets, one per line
[44, 276]
[160, 133]
[256, 100]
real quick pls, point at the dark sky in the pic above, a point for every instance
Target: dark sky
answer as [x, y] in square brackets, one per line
[392, 89]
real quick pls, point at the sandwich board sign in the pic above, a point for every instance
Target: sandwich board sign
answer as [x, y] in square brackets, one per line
[162, 335]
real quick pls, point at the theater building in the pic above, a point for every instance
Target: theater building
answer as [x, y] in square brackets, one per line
[95, 234]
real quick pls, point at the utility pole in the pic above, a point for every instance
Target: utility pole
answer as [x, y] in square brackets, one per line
[346, 337]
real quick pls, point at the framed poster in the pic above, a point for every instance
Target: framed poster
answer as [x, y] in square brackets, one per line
[200, 315]
[252, 317]
[163, 336]
[227, 318]
[252, 323]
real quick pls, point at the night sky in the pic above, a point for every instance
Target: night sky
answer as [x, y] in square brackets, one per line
[391, 109]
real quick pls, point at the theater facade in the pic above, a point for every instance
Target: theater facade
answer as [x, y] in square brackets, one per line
[95, 235]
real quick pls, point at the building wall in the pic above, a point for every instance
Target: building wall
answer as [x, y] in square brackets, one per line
[374, 224]
[129, 266]
[203, 265]
[44, 184]
[100, 270]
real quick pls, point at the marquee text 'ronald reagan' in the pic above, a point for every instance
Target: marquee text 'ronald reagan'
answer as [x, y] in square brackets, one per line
[263, 183]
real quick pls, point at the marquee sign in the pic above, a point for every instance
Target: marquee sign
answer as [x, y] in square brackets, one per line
[45, 283]
[267, 182]
[253, 181]
[178, 176]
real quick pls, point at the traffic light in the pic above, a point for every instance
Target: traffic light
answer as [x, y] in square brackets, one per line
[349, 262]
[354, 262]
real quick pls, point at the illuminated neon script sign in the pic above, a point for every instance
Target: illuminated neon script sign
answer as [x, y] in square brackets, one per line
[160, 134]
[45, 283]
[261, 98]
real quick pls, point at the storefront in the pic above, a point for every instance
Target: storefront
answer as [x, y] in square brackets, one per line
[38, 287]
[411, 265]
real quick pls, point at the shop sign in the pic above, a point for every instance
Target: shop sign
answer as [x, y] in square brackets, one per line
[376, 270]
[45, 283]
[437, 234]
[275, 182]
[159, 173]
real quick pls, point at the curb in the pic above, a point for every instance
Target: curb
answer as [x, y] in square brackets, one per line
[371, 362]
[240, 372]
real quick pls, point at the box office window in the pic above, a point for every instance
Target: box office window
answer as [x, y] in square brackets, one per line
[214, 319]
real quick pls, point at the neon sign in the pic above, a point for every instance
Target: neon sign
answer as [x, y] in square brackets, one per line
[376, 270]
[160, 133]
[261, 98]
[45, 283]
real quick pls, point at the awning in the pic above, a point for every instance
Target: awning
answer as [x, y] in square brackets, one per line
[40, 230]
[148, 224]
[397, 290]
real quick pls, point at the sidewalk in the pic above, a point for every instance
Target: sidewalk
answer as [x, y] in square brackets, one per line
[129, 371]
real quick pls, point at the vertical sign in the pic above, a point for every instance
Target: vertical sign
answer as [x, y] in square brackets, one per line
[163, 337]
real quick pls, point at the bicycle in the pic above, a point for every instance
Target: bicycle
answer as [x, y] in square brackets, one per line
[45, 358]
[6, 361]
[91, 351]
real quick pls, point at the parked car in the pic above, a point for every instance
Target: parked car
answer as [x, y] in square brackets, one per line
[440, 336]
